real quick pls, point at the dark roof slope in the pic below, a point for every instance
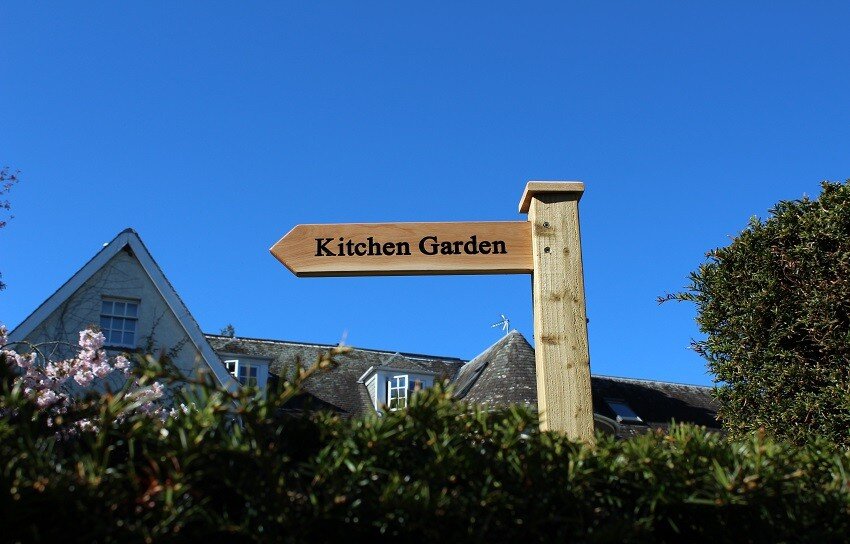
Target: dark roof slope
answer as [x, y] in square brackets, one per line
[657, 403]
[337, 387]
[502, 374]
[505, 374]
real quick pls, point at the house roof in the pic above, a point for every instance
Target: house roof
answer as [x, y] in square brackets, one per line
[338, 386]
[502, 374]
[128, 238]
[505, 373]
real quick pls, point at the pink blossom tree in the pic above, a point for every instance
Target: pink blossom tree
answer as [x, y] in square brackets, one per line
[56, 386]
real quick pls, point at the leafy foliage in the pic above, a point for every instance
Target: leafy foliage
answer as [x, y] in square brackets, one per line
[775, 306]
[238, 466]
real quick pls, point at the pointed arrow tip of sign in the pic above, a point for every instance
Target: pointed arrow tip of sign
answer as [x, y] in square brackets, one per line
[279, 250]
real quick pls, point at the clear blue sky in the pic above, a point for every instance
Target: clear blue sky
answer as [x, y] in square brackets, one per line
[212, 128]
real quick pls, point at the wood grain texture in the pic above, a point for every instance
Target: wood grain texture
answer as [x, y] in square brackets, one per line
[536, 187]
[560, 318]
[306, 251]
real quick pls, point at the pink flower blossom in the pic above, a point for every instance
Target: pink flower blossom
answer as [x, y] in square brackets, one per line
[23, 361]
[121, 363]
[4, 336]
[91, 340]
[46, 398]
[52, 385]
[87, 425]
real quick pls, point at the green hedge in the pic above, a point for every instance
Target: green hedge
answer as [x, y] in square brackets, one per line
[774, 306]
[239, 469]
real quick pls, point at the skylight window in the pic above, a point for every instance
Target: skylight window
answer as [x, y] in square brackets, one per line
[473, 377]
[624, 412]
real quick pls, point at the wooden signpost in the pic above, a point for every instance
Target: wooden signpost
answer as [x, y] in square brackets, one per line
[498, 247]
[547, 246]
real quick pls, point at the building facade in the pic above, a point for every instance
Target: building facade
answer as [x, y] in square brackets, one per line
[124, 292]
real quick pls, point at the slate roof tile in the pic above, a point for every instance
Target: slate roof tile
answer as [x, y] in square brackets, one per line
[502, 374]
[338, 386]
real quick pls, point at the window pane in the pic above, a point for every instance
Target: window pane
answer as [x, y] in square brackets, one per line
[128, 338]
[119, 308]
[117, 323]
[623, 411]
[115, 337]
[129, 324]
[105, 323]
[106, 307]
[132, 309]
[252, 372]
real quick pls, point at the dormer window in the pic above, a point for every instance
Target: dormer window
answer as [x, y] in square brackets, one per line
[623, 411]
[397, 387]
[118, 320]
[391, 388]
[245, 373]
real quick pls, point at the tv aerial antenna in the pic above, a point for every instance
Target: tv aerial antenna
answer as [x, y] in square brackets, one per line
[504, 324]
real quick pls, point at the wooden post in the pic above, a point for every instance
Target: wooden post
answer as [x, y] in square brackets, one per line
[561, 351]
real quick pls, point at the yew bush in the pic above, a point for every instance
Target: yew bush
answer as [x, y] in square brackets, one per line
[775, 309]
[241, 467]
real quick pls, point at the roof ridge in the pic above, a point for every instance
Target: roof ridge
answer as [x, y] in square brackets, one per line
[647, 380]
[130, 241]
[321, 345]
[512, 335]
[102, 250]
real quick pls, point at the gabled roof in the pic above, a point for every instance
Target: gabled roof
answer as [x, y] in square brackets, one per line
[128, 238]
[397, 367]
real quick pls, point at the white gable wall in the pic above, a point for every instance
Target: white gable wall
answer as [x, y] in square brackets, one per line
[372, 388]
[125, 269]
[157, 330]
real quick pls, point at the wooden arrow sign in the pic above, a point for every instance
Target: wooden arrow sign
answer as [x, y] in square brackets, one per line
[548, 246]
[398, 249]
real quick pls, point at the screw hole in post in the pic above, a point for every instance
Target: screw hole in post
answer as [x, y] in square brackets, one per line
[546, 224]
[545, 250]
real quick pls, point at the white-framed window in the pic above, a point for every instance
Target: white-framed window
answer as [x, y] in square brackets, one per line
[118, 321]
[397, 392]
[245, 373]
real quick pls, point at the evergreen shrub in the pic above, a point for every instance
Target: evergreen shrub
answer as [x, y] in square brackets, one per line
[775, 308]
[241, 468]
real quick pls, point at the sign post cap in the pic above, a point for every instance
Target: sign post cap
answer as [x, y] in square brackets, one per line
[537, 187]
